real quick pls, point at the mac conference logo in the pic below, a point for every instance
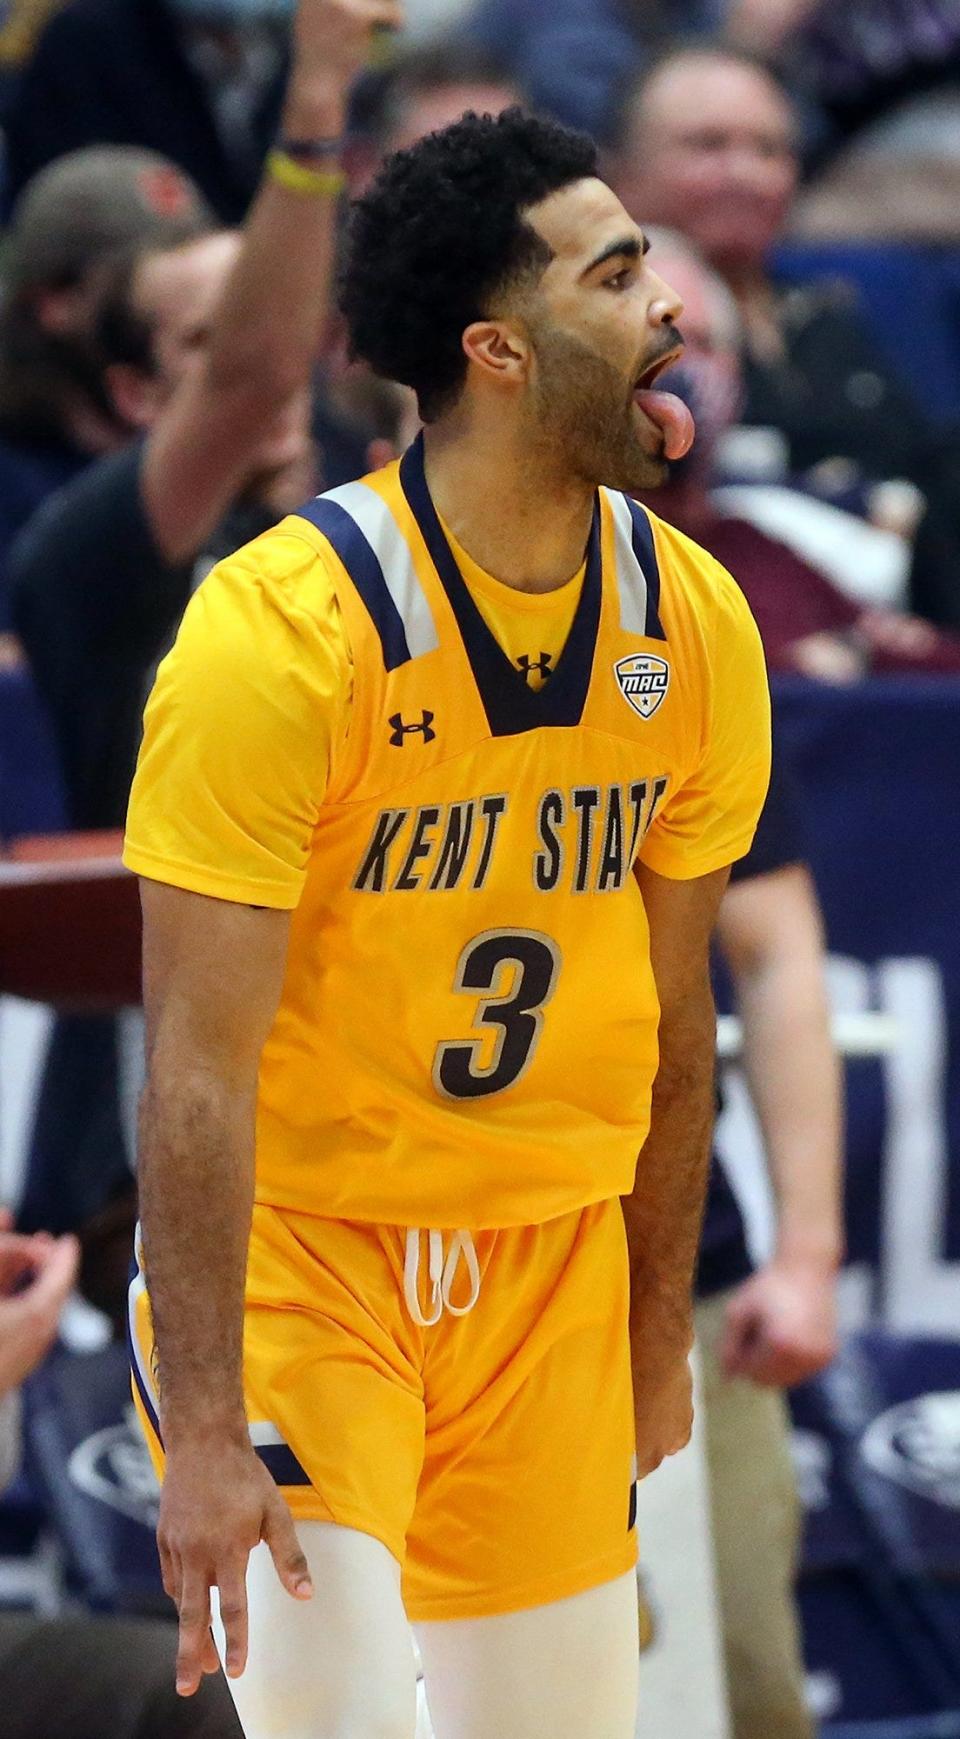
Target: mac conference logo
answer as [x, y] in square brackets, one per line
[644, 680]
[917, 1444]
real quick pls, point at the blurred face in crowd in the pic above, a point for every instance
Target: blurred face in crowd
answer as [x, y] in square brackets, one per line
[176, 293]
[709, 150]
[587, 339]
[426, 111]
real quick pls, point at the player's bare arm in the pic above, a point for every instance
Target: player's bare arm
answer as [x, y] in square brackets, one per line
[213, 972]
[664, 1212]
[267, 330]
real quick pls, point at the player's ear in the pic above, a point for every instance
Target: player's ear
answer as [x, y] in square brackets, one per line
[498, 349]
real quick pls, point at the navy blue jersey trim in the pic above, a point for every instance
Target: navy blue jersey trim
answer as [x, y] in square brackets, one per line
[511, 705]
[645, 551]
[282, 1465]
[362, 564]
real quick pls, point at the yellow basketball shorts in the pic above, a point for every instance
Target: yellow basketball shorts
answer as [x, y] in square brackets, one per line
[493, 1451]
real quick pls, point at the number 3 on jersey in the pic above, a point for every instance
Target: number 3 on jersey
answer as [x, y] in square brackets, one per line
[515, 1015]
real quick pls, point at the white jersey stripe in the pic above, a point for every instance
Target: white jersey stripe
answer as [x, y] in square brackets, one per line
[631, 581]
[370, 512]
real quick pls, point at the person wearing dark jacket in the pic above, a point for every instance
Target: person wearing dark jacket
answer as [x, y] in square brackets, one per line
[201, 86]
[55, 411]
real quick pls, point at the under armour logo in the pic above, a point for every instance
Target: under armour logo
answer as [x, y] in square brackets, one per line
[400, 730]
[542, 664]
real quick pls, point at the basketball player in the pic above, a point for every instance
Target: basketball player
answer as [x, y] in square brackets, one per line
[436, 802]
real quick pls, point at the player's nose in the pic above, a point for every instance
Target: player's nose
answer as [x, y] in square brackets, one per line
[665, 304]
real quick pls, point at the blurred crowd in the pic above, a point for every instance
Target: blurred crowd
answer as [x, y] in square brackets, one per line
[796, 163]
[827, 467]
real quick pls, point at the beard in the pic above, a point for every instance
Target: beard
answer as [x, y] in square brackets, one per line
[586, 419]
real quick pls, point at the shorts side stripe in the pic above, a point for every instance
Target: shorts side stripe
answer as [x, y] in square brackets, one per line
[281, 1463]
[277, 1456]
[141, 1375]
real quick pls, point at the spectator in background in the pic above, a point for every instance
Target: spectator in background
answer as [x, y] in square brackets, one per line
[20, 25]
[213, 346]
[884, 80]
[574, 57]
[761, 1331]
[433, 86]
[708, 147]
[200, 81]
[101, 574]
[806, 624]
[55, 412]
[78, 1676]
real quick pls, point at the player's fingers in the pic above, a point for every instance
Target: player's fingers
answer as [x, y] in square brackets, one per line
[680, 1438]
[211, 1659]
[194, 1629]
[233, 1616]
[281, 1537]
[649, 1457]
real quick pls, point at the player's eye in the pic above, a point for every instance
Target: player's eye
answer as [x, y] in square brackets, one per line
[620, 279]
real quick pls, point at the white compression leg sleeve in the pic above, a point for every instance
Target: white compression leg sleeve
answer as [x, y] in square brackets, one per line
[339, 1666]
[561, 1671]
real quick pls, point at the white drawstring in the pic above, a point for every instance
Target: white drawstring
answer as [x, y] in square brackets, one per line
[411, 1275]
[461, 1244]
[442, 1274]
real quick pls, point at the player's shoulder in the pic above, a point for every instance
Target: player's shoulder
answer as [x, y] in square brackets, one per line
[337, 528]
[291, 569]
[686, 566]
[693, 583]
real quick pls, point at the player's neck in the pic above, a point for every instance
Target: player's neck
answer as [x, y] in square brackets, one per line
[512, 513]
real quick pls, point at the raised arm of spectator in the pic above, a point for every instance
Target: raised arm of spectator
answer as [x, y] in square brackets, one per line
[268, 326]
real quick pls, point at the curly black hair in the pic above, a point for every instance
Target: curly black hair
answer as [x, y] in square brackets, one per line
[439, 233]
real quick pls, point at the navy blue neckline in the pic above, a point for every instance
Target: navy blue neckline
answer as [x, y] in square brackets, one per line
[511, 705]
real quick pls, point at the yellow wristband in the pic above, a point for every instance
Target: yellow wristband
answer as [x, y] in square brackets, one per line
[327, 183]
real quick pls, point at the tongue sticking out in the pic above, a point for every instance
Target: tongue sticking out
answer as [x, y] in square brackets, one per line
[672, 418]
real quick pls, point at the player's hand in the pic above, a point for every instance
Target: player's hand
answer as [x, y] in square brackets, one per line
[36, 1278]
[663, 1402]
[218, 1502]
[781, 1324]
[333, 39]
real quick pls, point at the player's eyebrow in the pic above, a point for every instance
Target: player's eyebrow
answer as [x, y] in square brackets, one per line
[631, 247]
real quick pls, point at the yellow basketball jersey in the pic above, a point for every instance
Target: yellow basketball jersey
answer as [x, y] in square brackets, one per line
[467, 1031]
